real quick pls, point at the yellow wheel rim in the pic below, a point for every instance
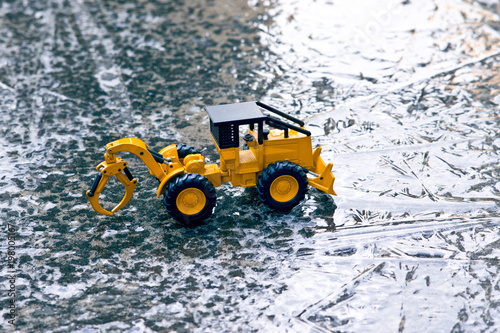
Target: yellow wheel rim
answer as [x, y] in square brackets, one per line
[284, 188]
[191, 201]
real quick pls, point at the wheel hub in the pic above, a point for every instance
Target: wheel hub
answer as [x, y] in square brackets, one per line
[191, 201]
[284, 188]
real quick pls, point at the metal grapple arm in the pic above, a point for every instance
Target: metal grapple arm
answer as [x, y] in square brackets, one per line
[115, 166]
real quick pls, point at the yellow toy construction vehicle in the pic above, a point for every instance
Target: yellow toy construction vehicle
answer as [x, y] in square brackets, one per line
[277, 161]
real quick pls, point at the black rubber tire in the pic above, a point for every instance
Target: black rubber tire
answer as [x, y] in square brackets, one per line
[275, 170]
[184, 150]
[181, 183]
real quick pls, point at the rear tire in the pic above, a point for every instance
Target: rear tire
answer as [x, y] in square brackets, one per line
[282, 185]
[184, 150]
[190, 198]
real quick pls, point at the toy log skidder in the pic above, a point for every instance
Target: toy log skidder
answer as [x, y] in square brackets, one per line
[277, 161]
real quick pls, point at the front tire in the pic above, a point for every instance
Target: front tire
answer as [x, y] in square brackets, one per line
[184, 150]
[190, 198]
[282, 185]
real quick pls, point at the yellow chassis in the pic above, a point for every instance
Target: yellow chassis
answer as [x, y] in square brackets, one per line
[241, 168]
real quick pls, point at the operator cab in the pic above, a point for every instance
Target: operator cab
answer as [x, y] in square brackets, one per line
[226, 119]
[260, 146]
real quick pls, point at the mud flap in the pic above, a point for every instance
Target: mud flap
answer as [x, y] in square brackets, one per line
[166, 180]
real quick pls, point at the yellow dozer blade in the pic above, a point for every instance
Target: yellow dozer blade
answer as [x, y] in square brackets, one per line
[324, 180]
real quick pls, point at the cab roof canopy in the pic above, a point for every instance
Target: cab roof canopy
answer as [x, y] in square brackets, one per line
[238, 113]
[225, 119]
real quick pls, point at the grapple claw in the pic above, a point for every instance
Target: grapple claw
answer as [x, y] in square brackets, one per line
[107, 170]
[129, 191]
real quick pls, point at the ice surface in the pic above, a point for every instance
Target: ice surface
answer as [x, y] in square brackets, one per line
[403, 96]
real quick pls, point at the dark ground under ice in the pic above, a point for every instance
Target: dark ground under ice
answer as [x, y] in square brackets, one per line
[403, 96]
